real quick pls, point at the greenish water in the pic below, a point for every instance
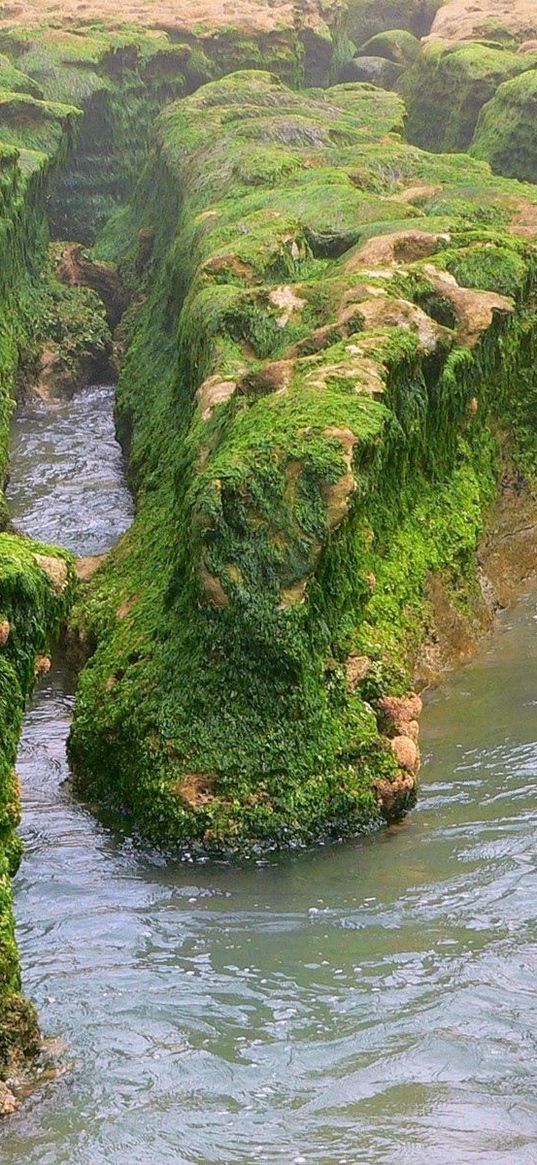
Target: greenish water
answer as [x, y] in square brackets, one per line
[368, 1003]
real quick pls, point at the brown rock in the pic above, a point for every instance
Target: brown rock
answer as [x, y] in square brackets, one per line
[85, 567]
[407, 753]
[397, 247]
[392, 795]
[42, 666]
[401, 709]
[54, 382]
[213, 392]
[212, 588]
[8, 1102]
[459, 20]
[5, 631]
[56, 569]
[196, 788]
[76, 270]
[475, 310]
[356, 669]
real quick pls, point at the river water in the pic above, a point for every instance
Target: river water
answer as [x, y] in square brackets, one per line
[374, 1002]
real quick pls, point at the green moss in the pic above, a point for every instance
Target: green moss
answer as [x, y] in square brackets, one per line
[506, 133]
[447, 87]
[215, 710]
[368, 18]
[395, 45]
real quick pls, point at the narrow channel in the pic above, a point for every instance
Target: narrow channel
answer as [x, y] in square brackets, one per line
[373, 1002]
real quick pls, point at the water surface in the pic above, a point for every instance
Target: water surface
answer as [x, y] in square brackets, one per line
[369, 1003]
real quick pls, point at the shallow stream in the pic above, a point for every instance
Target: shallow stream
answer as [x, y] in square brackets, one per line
[374, 1002]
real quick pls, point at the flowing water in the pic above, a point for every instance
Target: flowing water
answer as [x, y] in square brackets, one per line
[374, 1002]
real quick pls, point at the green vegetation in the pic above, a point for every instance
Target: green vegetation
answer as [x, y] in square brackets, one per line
[447, 87]
[298, 396]
[367, 18]
[506, 133]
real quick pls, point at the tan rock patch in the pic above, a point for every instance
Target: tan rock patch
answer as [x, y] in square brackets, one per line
[356, 669]
[397, 247]
[86, 566]
[391, 795]
[406, 752]
[459, 20]
[195, 788]
[287, 303]
[56, 569]
[213, 392]
[212, 588]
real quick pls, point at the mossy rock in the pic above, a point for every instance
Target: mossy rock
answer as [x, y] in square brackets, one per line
[506, 133]
[367, 18]
[447, 87]
[372, 70]
[297, 395]
[396, 45]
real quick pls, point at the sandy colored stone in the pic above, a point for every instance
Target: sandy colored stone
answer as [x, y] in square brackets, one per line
[420, 193]
[287, 303]
[391, 795]
[460, 20]
[356, 669]
[42, 666]
[196, 788]
[250, 16]
[401, 313]
[56, 569]
[8, 1102]
[5, 631]
[295, 594]
[212, 588]
[407, 753]
[213, 392]
[475, 310]
[406, 246]
[87, 565]
[401, 709]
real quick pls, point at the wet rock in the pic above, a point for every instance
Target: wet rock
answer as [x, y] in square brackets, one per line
[393, 797]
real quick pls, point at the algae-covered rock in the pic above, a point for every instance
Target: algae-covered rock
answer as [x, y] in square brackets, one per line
[447, 87]
[367, 18]
[506, 133]
[372, 70]
[297, 397]
[395, 45]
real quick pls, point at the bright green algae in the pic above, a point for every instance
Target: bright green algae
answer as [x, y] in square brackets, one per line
[36, 590]
[306, 452]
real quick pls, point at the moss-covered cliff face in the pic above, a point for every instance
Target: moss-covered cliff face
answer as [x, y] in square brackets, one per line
[36, 590]
[121, 77]
[317, 394]
[447, 87]
[506, 133]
